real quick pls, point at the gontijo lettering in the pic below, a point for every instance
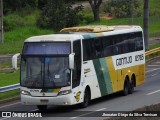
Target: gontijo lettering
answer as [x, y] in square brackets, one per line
[124, 60]
[129, 59]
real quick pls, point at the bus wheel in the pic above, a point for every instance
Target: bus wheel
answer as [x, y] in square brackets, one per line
[126, 87]
[131, 87]
[42, 107]
[86, 98]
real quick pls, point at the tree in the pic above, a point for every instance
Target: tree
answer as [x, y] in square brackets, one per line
[18, 5]
[121, 8]
[42, 3]
[57, 14]
[95, 4]
[146, 22]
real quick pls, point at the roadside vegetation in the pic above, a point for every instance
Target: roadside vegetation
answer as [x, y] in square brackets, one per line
[20, 24]
[9, 95]
[9, 77]
[26, 21]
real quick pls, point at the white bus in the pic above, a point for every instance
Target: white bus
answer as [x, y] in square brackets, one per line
[81, 64]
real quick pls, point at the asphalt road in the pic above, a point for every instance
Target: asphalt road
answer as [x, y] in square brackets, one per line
[144, 95]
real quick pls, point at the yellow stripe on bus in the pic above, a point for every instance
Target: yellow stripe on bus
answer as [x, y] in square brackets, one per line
[56, 90]
[112, 72]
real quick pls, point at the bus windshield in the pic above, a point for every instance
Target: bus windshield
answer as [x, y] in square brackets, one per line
[49, 48]
[45, 69]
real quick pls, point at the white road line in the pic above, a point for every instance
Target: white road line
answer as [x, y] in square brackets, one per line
[153, 92]
[10, 105]
[34, 110]
[101, 109]
[154, 74]
[83, 114]
[153, 65]
[152, 70]
[5, 118]
[87, 113]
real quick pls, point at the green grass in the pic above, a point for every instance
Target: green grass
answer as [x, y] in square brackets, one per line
[10, 94]
[23, 26]
[9, 77]
[154, 4]
[154, 25]
[13, 40]
[154, 29]
[154, 46]
[154, 7]
[20, 19]
[154, 19]
[5, 64]
[19, 26]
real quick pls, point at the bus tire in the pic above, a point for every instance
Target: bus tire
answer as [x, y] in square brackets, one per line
[131, 87]
[86, 98]
[42, 107]
[126, 87]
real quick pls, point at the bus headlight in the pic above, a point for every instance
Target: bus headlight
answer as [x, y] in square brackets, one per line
[25, 92]
[64, 92]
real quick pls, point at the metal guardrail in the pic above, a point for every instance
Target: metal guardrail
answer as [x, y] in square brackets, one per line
[9, 88]
[149, 54]
[153, 51]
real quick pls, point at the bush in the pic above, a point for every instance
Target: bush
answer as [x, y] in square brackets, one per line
[16, 20]
[12, 21]
[121, 8]
[19, 5]
[59, 14]
[87, 19]
[42, 3]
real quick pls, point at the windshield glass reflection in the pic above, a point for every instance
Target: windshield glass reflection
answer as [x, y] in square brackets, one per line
[48, 72]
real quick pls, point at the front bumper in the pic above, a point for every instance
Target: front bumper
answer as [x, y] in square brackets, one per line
[57, 100]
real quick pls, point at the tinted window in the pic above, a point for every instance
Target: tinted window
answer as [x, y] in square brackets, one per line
[97, 48]
[87, 49]
[118, 44]
[92, 49]
[77, 60]
[138, 41]
[131, 44]
[47, 48]
[107, 45]
[112, 45]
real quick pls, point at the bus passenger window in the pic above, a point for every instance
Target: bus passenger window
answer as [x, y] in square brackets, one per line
[77, 63]
[107, 46]
[97, 48]
[139, 41]
[88, 49]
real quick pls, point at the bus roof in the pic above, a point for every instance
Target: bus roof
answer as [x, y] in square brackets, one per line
[75, 33]
[90, 29]
[98, 28]
[53, 37]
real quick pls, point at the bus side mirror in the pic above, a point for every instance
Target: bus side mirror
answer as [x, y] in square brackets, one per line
[14, 61]
[71, 61]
